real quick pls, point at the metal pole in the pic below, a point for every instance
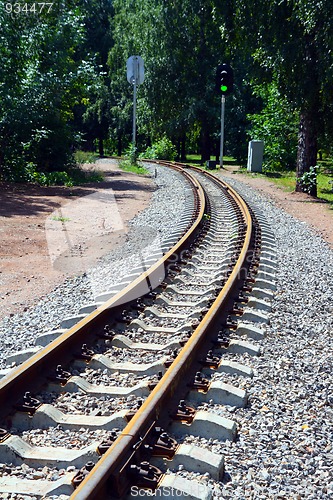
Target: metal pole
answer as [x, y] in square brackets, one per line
[134, 111]
[222, 130]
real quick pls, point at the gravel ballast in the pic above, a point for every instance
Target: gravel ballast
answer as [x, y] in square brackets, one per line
[285, 440]
[147, 230]
[284, 449]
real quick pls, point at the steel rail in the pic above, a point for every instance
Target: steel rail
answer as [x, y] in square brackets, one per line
[107, 472]
[24, 377]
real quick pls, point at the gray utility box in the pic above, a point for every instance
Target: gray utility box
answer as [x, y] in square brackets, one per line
[255, 156]
[211, 164]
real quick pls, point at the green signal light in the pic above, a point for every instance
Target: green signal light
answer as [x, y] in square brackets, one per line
[224, 88]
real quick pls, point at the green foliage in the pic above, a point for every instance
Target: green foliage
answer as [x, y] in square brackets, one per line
[130, 163]
[286, 180]
[82, 157]
[276, 125]
[290, 41]
[79, 176]
[161, 150]
[135, 168]
[131, 154]
[30, 174]
[180, 43]
[309, 179]
[45, 84]
[63, 81]
[325, 187]
[57, 178]
[61, 219]
[73, 177]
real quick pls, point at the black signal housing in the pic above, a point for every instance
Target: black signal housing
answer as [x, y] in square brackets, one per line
[224, 80]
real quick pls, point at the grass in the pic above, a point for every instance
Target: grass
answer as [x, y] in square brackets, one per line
[325, 187]
[61, 219]
[138, 169]
[326, 166]
[284, 179]
[196, 160]
[287, 180]
[79, 176]
[85, 157]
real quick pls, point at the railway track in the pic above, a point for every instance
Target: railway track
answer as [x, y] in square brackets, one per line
[146, 373]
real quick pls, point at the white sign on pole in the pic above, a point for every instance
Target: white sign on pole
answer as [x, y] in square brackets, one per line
[135, 70]
[135, 76]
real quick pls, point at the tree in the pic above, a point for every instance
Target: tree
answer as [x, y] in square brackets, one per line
[54, 87]
[276, 125]
[290, 40]
[93, 118]
[180, 44]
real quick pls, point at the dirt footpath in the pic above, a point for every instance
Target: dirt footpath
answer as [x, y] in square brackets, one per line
[315, 212]
[33, 218]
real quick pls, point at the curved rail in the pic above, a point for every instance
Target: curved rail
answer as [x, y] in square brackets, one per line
[107, 472]
[24, 377]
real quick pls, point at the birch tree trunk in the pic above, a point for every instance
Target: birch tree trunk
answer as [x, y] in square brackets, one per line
[307, 149]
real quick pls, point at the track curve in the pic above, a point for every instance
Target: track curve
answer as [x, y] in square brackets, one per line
[190, 305]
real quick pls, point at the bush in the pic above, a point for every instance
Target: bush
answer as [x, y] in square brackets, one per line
[48, 178]
[161, 150]
[85, 157]
[308, 180]
[277, 126]
[75, 176]
[131, 155]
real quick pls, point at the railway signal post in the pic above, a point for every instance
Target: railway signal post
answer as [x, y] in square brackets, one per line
[135, 76]
[224, 81]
